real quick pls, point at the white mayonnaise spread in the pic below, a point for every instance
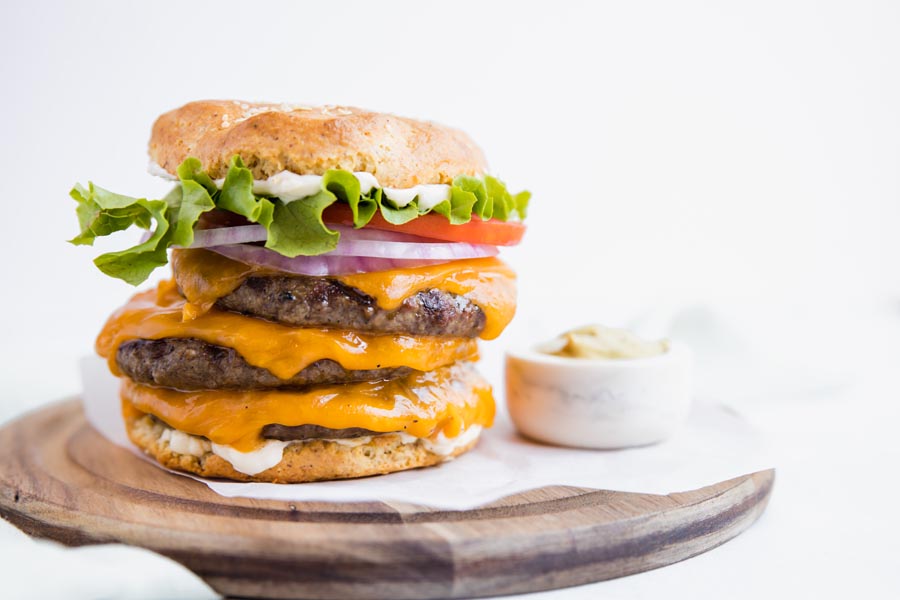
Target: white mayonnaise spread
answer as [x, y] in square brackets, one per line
[290, 186]
[442, 445]
[366, 181]
[430, 195]
[157, 171]
[255, 461]
[351, 442]
[270, 453]
[185, 443]
[285, 185]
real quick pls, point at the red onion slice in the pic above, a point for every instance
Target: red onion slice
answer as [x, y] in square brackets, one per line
[242, 234]
[370, 243]
[325, 264]
[239, 234]
[412, 250]
[369, 233]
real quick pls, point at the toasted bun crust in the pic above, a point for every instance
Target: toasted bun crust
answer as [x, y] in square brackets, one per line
[303, 462]
[271, 138]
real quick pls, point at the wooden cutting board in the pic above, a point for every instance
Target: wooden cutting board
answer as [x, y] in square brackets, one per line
[60, 479]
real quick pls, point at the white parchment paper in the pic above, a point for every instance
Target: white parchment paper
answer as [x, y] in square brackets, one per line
[715, 445]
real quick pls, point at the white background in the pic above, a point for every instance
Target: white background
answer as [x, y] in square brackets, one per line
[724, 174]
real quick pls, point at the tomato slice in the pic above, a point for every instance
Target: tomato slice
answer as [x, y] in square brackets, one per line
[476, 231]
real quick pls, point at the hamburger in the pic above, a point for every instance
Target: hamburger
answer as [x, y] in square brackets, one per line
[332, 271]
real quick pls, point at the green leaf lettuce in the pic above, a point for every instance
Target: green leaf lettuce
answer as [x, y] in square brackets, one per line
[293, 228]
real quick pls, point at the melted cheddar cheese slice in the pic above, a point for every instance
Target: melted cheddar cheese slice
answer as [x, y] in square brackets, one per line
[281, 349]
[205, 276]
[447, 400]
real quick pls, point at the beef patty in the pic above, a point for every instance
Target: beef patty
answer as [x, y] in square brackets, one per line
[306, 301]
[312, 432]
[191, 364]
[299, 433]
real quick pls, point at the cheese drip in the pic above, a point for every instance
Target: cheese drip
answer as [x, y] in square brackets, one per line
[283, 350]
[205, 276]
[445, 402]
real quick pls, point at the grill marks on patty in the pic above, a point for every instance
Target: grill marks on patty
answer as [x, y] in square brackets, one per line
[191, 364]
[306, 301]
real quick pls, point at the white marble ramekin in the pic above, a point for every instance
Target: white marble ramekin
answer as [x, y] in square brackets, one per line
[599, 403]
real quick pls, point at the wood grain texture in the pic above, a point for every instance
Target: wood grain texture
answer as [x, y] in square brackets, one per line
[61, 480]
